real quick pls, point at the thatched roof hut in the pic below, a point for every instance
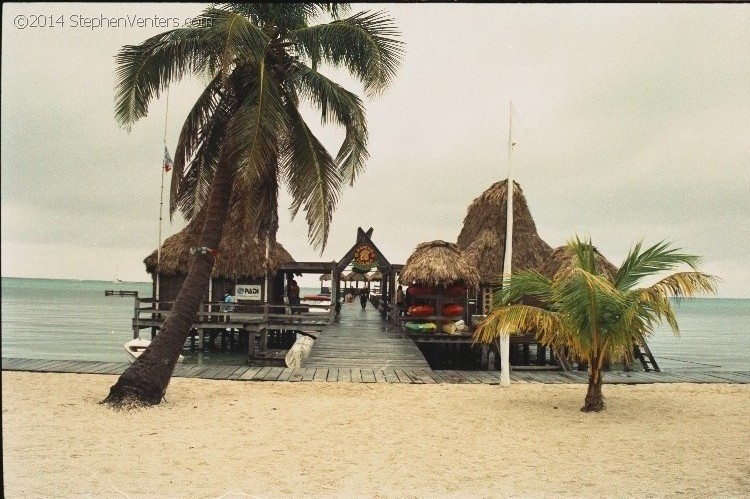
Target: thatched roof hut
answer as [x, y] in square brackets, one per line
[238, 258]
[562, 259]
[241, 253]
[439, 263]
[482, 238]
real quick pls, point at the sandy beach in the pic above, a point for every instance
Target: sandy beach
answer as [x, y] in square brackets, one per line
[251, 439]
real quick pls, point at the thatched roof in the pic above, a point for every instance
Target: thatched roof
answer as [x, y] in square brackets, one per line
[482, 238]
[237, 258]
[241, 253]
[355, 277]
[562, 258]
[438, 263]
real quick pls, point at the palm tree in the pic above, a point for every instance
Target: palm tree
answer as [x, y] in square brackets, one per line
[247, 126]
[593, 314]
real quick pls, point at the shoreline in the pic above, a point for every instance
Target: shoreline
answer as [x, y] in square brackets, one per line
[519, 374]
[273, 439]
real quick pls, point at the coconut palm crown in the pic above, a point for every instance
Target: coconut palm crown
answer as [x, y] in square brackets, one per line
[594, 314]
[263, 61]
[247, 127]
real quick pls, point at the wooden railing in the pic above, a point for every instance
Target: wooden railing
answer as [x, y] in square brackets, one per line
[217, 315]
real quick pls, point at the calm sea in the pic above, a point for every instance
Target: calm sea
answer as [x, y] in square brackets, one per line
[65, 319]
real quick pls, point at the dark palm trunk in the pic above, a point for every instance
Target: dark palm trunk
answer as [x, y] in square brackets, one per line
[146, 380]
[594, 399]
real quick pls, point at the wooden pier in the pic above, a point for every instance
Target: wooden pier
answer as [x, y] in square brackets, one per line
[361, 375]
[362, 339]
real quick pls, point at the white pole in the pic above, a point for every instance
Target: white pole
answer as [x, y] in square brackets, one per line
[268, 244]
[161, 202]
[507, 262]
[158, 250]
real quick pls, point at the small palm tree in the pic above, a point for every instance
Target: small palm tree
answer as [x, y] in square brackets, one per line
[596, 316]
[246, 127]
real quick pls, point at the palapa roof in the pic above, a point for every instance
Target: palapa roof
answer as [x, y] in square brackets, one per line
[237, 258]
[439, 263]
[562, 259]
[241, 253]
[482, 238]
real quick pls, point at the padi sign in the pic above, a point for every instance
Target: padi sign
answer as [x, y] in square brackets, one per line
[248, 292]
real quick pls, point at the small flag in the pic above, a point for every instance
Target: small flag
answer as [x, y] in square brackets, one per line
[168, 163]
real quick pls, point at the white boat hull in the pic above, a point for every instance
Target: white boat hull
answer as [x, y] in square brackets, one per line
[134, 348]
[299, 352]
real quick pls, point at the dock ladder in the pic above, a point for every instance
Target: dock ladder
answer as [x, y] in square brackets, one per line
[647, 359]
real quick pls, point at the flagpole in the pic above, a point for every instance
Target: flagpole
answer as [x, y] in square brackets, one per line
[161, 199]
[507, 262]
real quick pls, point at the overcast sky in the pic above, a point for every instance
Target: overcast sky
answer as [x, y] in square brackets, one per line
[632, 122]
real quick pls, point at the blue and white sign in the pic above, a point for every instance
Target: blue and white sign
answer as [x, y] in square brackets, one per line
[253, 292]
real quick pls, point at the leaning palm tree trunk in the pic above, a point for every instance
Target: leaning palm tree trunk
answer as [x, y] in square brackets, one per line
[146, 380]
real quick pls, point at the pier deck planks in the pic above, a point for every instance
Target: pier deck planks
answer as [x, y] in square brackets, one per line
[360, 339]
[387, 375]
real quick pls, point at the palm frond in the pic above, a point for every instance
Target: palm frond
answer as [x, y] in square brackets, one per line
[284, 16]
[242, 41]
[366, 44]
[686, 284]
[339, 106]
[251, 140]
[312, 177]
[657, 258]
[587, 302]
[584, 253]
[144, 71]
[515, 319]
[521, 284]
[190, 189]
[200, 118]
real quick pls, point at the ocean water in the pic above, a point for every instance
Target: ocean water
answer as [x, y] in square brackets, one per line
[67, 319]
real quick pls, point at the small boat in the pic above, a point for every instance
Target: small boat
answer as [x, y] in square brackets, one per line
[299, 352]
[324, 300]
[317, 298]
[135, 348]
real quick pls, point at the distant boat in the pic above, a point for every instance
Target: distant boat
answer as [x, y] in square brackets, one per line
[135, 348]
[117, 279]
[324, 300]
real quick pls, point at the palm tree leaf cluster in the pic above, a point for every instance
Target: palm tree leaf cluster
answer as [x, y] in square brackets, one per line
[592, 310]
[263, 61]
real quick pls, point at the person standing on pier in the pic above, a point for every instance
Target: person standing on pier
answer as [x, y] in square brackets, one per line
[292, 292]
[364, 294]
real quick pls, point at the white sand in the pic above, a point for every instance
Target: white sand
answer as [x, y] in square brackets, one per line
[253, 439]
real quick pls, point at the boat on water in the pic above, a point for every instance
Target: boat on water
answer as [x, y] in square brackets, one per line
[135, 347]
[321, 299]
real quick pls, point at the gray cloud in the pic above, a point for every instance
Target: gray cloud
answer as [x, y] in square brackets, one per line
[631, 123]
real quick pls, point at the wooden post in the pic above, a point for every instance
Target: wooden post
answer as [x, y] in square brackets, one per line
[136, 317]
